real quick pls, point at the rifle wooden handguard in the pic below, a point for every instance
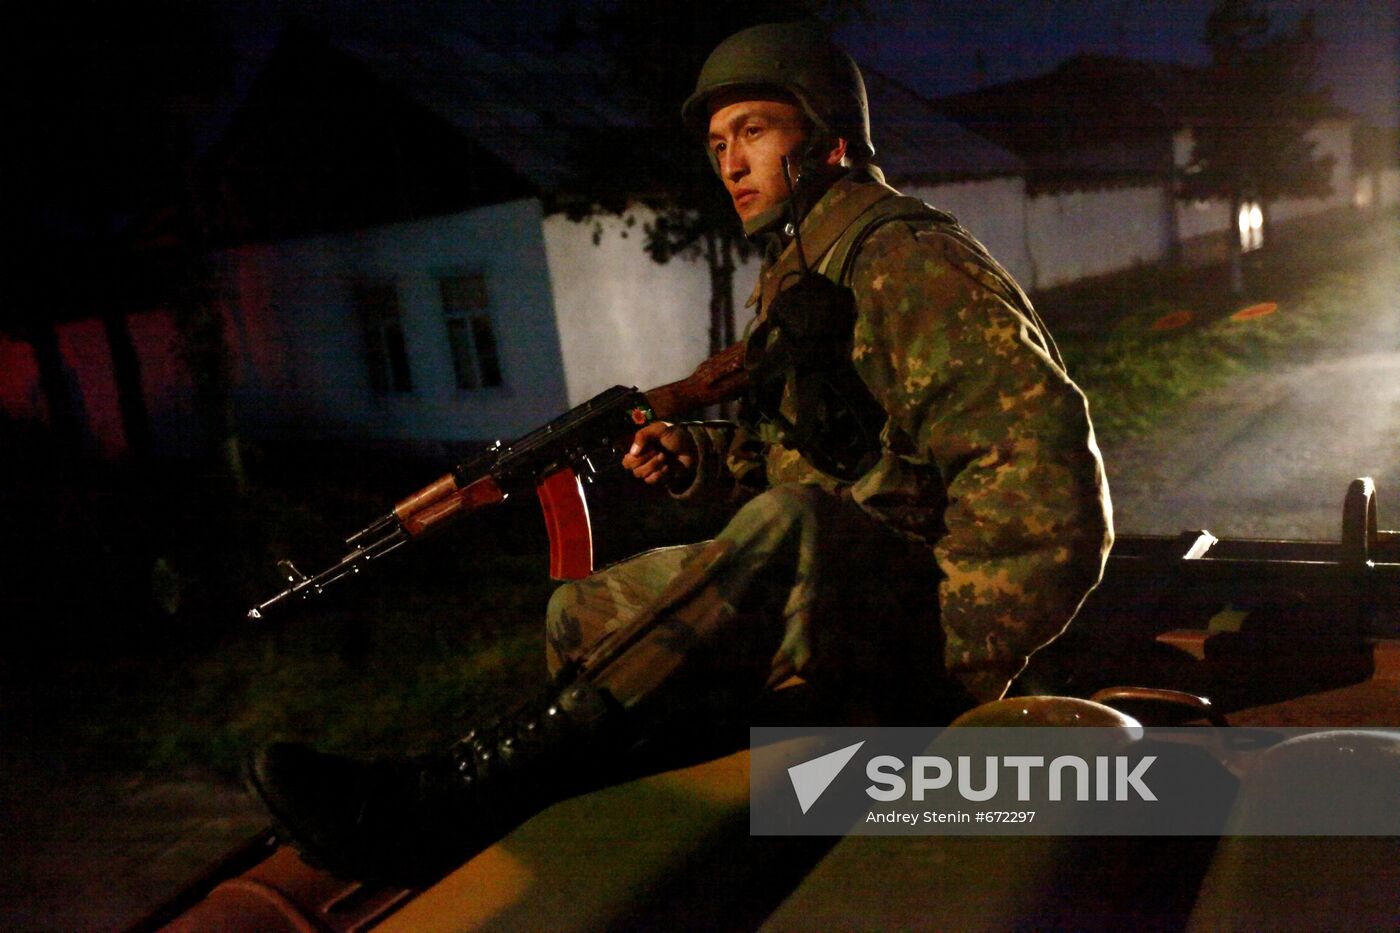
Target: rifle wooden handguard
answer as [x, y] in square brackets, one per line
[718, 379]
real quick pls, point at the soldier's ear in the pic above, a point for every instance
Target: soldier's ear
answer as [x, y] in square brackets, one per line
[836, 155]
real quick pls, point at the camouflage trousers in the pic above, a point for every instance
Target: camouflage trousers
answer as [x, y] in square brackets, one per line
[800, 582]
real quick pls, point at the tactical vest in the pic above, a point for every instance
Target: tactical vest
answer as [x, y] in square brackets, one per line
[800, 350]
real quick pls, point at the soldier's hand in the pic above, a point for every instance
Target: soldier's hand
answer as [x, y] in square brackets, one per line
[662, 452]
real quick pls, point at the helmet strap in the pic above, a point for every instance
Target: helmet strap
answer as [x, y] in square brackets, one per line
[795, 222]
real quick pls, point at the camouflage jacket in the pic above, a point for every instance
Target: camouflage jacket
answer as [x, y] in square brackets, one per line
[987, 456]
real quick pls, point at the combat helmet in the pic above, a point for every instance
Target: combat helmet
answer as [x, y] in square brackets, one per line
[798, 58]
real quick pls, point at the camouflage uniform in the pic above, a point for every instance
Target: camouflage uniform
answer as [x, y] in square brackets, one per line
[969, 544]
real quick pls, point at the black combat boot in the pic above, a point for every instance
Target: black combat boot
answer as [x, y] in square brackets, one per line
[409, 821]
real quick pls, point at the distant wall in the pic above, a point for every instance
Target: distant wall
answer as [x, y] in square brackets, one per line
[20, 398]
[1371, 189]
[1202, 218]
[87, 363]
[1388, 186]
[87, 369]
[1053, 238]
[994, 211]
[623, 318]
[1081, 233]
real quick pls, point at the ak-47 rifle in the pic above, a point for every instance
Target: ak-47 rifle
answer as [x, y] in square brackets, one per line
[550, 459]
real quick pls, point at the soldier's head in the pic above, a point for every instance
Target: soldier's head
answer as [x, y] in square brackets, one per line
[780, 89]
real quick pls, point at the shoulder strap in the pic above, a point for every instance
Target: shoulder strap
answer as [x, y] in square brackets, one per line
[839, 261]
[900, 207]
[819, 233]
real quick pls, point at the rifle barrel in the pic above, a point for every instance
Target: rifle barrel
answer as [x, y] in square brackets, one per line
[494, 475]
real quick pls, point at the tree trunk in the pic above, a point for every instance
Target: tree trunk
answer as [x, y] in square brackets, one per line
[55, 385]
[204, 346]
[206, 355]
[204, 350]
[719, 256]
[126, 373]
[1235, 256]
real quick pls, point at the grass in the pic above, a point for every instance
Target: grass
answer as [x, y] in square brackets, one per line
[1136, 376]
[398, 674]
[444, 634]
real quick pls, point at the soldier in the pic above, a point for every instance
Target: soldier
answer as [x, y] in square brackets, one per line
[923, 502]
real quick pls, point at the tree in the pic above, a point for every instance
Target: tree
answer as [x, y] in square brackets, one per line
[1257, 104]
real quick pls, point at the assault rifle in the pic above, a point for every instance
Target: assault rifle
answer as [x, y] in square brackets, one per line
[551, 459]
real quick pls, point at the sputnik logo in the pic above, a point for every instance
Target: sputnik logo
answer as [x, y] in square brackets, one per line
[811, 778]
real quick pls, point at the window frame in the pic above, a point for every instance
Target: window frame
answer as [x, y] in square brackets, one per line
[473, 339]
[388, 365]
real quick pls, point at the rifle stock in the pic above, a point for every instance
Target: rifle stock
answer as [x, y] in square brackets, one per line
[539, 459]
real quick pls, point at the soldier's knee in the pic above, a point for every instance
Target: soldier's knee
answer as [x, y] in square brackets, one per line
[776, 518]
[561, 603]
[563, 633]
[790, 502]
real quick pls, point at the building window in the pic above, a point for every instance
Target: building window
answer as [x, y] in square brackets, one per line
[386, 355]
[1251, 221]
[470, 334]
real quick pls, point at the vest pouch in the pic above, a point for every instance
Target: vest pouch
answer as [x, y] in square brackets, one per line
[802, 349]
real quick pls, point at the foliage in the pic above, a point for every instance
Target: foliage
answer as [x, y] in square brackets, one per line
[1258, 104]
[404, 669]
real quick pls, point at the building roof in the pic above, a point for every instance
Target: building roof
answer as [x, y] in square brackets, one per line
[1094, 114]
[362, 126]
[323, 143]
[524, 103]
[1095, 117]
[525, 100]
[916, 143]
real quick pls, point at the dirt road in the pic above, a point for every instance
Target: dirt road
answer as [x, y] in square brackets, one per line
[94, 850]
[1270, 454]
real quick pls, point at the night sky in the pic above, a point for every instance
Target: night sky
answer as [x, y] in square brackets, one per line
[933, 45]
